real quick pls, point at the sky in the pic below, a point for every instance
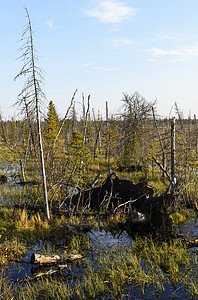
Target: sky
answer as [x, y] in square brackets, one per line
[104, 49]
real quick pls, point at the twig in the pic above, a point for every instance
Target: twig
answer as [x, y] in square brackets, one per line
[59, 131]
[6, 144]
[155, 160]
[130, 201]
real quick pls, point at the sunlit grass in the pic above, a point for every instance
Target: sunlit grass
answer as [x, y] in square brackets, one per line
[10, 251]
[147, 263]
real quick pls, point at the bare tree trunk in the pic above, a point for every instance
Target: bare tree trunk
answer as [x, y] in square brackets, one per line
[30, 125]
[173, 152]
[46, 205]
[98, 139]
[160, 140]
[196, 127]
[3, 128]
[85, 116]
[22, 171]
[107, 129]
[65, 118]
[163, 162]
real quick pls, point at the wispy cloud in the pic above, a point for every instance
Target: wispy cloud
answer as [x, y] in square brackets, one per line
[49, 23]
[179, 53]
[106, 69]
[165, 37]
[112, 12]
[89, 64]
[122, 42]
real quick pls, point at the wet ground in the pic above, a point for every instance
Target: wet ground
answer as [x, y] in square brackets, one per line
[105, 240]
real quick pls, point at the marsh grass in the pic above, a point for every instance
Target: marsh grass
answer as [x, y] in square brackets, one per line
[163, 254]
[10, 251]
[106, 273]
[11, 193]
[115, 272]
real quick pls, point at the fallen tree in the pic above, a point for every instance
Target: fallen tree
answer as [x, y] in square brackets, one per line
[47, 271]
[112, 193]
[49, 264]
[146, 213]
[43, 259]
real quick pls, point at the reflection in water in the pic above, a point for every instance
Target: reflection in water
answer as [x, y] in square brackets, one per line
[189, 228]
[100, 238]
[106, 239]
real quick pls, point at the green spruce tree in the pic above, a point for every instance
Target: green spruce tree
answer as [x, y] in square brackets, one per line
[53, 124]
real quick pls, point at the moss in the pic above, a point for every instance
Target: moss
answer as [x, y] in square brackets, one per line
[181, 216]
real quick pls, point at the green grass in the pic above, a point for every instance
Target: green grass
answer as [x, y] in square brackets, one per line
[109, 274]
[114, 272]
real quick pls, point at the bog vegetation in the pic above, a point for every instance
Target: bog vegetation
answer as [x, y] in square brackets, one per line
[49, 163]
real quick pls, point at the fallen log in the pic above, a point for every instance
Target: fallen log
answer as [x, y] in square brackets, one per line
[45, 272]
[59, 261]
[44, 259]
[190, 241]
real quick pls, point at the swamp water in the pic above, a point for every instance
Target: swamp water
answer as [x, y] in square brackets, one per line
[101, 241]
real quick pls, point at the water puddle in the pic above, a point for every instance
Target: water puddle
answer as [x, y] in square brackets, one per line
[109, 240]
[100, 239]
[190, 228]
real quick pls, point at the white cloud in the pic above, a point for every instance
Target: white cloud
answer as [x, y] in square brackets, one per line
[49, 23]
[165, 37]
[122, 42]
[179, 53]
[112, 12]
[88, 64]
[107, 69]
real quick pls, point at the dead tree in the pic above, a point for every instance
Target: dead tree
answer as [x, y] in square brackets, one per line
[161, 143]
[85, 117]
[3, 128]
[196, 127]
[137, 111]
[108, 137]
[33, 93]
[28, 116]
[173, 153]
[65, 118]
[97, 126]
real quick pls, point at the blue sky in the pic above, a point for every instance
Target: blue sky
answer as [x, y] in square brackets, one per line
[105, 48]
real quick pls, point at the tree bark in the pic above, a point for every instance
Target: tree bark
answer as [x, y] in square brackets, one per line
[46, 204]
[44, 259]
[44, 272]
[173, 154]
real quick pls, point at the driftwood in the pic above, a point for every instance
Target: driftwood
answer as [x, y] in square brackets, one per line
[44, 272]
[57, 262]
[190, 241]
[44, 259]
